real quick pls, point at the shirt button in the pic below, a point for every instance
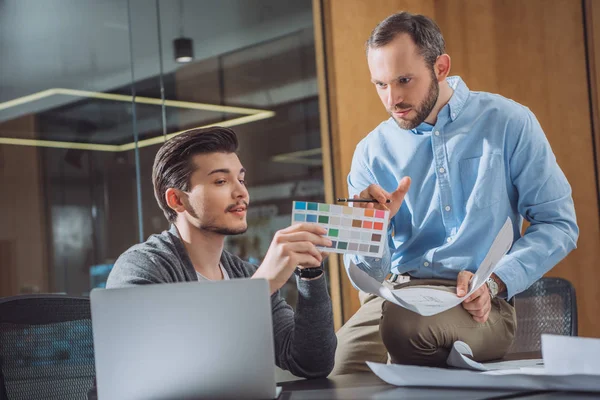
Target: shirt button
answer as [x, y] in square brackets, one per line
[437, 133]
[442, 170]
[426, 264]
[453, 115]
[447, 208]
[448, 239]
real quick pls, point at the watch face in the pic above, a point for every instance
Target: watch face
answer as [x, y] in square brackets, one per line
[493, 286]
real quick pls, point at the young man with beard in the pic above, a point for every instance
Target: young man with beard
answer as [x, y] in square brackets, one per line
[199, 184]
[470, 159]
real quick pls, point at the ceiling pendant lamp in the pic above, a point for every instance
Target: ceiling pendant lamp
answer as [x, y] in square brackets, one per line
[183, 47]
[184, 50]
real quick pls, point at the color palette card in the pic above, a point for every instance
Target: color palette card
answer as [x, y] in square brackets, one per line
[352, 230]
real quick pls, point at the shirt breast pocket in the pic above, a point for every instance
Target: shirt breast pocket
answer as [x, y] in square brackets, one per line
[481, 180]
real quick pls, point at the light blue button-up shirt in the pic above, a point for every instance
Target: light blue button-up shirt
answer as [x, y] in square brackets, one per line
[485, 159]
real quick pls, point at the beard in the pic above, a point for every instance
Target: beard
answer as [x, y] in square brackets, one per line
[423, 110]
[212, 225]
[222, 230]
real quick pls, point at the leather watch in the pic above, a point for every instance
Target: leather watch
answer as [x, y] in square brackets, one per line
[492, 286]
[309, 273]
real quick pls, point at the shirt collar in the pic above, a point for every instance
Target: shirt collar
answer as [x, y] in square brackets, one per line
[423, 128]
[459, 97]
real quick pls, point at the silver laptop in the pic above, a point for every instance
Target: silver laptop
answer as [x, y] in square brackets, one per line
[184, 340]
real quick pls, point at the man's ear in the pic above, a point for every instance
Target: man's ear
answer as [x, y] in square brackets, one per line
[442, 67]
[175, 200]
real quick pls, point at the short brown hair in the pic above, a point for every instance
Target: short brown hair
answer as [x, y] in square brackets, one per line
[422, 30]
[173, 164]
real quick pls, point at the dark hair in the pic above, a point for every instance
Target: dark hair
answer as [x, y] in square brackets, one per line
[423, 31]
[173, 163]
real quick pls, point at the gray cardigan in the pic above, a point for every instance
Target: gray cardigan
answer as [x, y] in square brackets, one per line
[305, 341]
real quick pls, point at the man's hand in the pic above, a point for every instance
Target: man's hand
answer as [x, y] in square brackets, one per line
[291, 247]
[479, 303]
[376, 192]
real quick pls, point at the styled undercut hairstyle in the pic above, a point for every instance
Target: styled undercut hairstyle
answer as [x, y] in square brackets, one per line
[422, 30]
[173, 164]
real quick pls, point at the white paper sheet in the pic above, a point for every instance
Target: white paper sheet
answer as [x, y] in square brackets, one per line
[570, 364]
[412, 376]
[534, 364]
[459, 357]
[460, 354]
[566, 355]
[431, 300]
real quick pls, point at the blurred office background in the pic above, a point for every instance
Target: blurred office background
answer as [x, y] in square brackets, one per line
[290, 77]
[76, 152]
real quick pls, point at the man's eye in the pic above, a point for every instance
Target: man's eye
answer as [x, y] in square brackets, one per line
[381, 85]
[243, 182]
[404, 80]
[220, 181]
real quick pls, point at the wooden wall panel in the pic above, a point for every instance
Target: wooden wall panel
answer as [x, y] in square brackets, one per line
[336, 270]
[530, 51]
[592, 14]
[592, 19]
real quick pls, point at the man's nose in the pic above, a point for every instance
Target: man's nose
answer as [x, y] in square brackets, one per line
[394, 97]
[241, 191]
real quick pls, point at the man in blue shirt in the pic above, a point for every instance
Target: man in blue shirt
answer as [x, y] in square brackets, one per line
[455, 164]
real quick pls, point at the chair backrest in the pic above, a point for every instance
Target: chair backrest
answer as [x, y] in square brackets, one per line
[46, 347]
[548, 306]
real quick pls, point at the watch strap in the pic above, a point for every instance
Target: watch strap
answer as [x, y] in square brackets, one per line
[309, 273]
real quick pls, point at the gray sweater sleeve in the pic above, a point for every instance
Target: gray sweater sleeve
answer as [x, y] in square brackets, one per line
[305, 341]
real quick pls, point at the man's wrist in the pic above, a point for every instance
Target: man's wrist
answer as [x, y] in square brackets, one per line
[500, 283]
[309, 274]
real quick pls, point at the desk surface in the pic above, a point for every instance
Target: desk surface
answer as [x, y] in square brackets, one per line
[368, 386]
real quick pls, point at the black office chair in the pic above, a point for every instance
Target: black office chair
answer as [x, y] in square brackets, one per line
[46, 347]
[548, 306]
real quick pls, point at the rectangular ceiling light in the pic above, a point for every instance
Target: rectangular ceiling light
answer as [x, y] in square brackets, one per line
[249, 115]
[300, 157]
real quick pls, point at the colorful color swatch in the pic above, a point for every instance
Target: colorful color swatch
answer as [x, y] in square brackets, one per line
[352, 230]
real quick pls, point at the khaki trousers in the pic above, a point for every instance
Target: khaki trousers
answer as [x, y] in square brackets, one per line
[382, 332]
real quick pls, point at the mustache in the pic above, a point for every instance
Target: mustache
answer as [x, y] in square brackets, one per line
[401, 106]
[236, 205]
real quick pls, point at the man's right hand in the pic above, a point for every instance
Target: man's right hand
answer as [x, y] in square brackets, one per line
[376, 192]
[291, 247]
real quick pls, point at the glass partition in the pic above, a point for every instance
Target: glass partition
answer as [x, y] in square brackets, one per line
[90, 90]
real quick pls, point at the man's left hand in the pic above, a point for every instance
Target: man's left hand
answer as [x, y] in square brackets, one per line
[479, 303]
